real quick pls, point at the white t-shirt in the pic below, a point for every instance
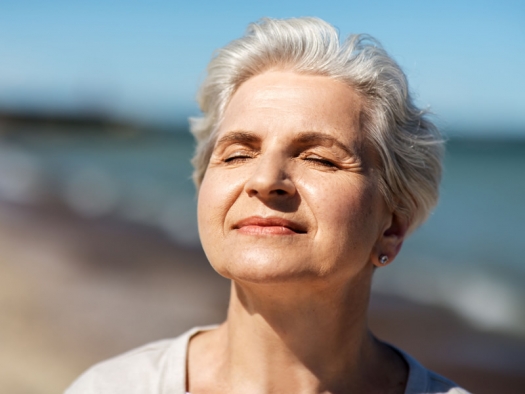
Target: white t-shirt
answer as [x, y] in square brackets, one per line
[160, 368]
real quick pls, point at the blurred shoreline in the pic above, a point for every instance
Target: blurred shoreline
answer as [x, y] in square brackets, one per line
[75, 291]
[99, 254]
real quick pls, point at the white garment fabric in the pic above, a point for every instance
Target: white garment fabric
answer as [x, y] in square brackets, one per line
[160, 368]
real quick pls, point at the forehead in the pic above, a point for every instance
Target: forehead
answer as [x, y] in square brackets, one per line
[285, 101]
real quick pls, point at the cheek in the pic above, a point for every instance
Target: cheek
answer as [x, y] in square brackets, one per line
[363, 214]
[346, 208]
[217, 194]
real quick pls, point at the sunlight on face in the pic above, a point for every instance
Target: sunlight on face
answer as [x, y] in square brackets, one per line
[290, 192]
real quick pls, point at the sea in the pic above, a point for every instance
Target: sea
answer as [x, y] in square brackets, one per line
[469, 257]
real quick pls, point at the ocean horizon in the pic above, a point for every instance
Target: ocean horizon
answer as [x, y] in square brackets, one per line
[467, 257]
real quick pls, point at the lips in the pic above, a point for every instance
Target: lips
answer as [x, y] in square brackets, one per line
[257, 225]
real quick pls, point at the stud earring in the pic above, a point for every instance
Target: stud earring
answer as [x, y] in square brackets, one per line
[383, 258]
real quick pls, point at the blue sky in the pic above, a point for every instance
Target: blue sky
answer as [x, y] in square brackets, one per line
[144, 60]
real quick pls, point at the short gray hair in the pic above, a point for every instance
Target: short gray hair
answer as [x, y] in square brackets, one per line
[409, 146]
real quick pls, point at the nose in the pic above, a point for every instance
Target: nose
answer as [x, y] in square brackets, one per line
[270, 179]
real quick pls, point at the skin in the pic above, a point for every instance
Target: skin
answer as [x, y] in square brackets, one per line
[289, 210]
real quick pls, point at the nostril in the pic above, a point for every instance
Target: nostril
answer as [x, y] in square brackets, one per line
[269, 182]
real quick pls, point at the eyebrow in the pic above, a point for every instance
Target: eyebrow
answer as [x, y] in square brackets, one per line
[314, 137]
[241, 137]
[304, 138]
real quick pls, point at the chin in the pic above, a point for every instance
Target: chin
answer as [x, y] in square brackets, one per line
[269, 270]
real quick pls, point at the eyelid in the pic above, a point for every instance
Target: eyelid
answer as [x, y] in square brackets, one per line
[225, 147]
[237, 154]
[241, 152]
[320, 159]
[313, 154]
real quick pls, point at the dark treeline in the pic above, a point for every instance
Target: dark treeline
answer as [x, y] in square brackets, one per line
[87, 122]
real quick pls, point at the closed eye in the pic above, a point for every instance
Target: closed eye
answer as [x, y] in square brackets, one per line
[320, 161]
[237, 158]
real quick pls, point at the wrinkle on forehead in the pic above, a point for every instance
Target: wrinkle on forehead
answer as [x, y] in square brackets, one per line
[276, 99]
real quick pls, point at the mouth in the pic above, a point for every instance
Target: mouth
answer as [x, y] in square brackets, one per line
[257, 225]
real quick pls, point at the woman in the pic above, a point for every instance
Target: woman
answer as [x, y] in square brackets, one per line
[313, 165]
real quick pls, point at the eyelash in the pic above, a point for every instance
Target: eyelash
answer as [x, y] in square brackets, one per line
[315, 160]
[240, 157]
[320, 161]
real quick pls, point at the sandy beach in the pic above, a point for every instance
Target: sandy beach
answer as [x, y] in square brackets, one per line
[75, 291]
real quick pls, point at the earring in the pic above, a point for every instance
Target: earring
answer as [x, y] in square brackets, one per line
[383, 258]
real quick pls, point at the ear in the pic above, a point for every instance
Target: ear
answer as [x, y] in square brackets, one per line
[390, 242]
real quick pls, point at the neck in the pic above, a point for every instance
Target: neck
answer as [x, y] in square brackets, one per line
[307, 339]
[317, 337]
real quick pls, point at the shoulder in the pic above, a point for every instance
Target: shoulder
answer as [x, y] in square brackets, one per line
[440, 384]
[141, 370]
[424, 381]
[137, 371]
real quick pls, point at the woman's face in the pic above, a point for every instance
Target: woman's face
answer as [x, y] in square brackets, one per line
[291, 192]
